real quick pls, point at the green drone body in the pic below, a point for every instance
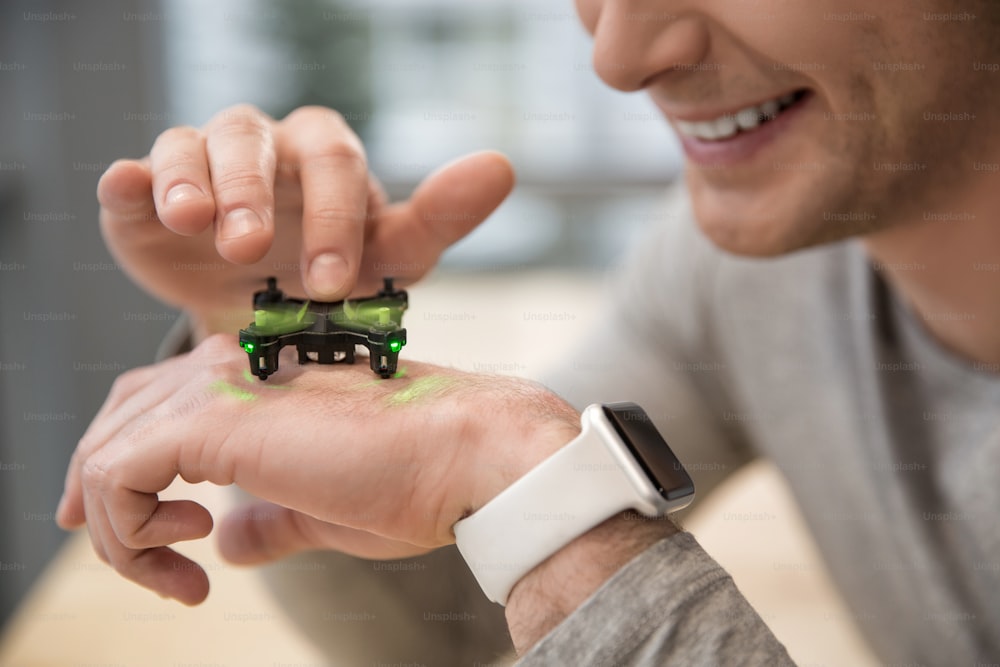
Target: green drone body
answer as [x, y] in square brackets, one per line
[326, 332]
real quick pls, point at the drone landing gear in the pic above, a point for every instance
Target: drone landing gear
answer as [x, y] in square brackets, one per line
[323, 354]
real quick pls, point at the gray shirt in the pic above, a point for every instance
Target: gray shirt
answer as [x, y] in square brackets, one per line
[891, 446]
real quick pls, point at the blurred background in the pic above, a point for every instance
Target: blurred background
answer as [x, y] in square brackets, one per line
[422, 82]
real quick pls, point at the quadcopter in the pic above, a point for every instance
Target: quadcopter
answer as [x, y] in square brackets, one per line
[325, 332]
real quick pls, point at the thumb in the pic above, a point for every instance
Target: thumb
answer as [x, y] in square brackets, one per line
[446, 206]
[261, 532]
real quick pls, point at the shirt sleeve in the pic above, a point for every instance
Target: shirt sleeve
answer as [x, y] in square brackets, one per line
[671, 605]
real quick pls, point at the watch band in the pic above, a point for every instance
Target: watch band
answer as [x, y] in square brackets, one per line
[586, 482]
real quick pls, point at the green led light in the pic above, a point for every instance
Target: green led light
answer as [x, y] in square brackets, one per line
[249, 347]
[395, 345]
[419, 388]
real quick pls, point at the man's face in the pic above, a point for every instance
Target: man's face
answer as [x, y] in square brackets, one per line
[855, 115]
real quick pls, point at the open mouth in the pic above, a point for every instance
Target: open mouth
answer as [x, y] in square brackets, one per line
[745, 120]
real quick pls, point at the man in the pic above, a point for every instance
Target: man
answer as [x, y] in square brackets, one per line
[804, 126]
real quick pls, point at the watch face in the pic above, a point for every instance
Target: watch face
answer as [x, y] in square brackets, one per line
[650, 450]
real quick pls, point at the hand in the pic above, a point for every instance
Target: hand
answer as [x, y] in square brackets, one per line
[344, 460]
[209, 213]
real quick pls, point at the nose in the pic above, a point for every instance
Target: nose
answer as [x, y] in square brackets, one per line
[636, 40]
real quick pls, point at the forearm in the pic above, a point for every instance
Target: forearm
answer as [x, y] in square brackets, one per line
[670, 604]
[558, 586]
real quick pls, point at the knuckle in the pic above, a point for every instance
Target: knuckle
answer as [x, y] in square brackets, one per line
[342, 153]
[94, 473]
[125, 384]
[335, 217]
[123, 565]
[132, 539]
[325, 133]
[244, 111]
[240, 179]
[84, 447]
[175, 135]
[242, 119]
[117, 164]
[310, 112]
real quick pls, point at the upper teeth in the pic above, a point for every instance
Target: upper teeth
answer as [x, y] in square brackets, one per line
[727, 126]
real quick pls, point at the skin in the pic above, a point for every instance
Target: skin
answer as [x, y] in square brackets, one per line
[781, 200]
[167, 419]
[756, 208]
[199, 417]
[298, 193]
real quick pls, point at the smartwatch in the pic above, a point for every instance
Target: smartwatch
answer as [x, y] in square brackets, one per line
[618, 462]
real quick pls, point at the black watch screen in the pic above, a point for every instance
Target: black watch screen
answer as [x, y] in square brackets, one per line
[651, 451]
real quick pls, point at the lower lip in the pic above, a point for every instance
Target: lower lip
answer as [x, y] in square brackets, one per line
[744, 145]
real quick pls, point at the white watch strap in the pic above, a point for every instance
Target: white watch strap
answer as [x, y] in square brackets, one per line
[569, 493]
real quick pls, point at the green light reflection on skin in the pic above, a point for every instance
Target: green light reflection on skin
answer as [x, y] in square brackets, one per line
[401, 373]
[252, 379]
[223, 387]
[418, 389]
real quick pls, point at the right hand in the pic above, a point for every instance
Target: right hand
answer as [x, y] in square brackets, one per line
[259, 197]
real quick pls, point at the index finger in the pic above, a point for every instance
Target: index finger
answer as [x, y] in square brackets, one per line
[333, 171]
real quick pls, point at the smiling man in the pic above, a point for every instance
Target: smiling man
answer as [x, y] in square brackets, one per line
[855, 147]
[796, 116]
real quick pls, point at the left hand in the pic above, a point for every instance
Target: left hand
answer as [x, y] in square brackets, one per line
[343, 460]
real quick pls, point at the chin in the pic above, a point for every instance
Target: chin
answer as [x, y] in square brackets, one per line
[777, 217]
[746, 225]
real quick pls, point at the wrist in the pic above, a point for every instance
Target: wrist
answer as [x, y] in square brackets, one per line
[617, 462]
[528, 425]
[555, 588]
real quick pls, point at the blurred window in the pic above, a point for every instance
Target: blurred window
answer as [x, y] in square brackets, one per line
[424, 81]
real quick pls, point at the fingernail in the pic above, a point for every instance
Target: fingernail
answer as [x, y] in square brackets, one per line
[182, 192]
[328, 273]
[240, 222]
